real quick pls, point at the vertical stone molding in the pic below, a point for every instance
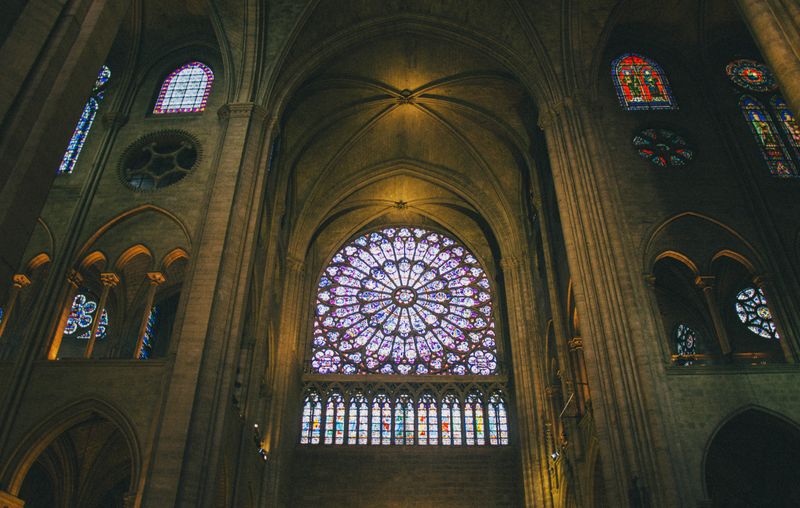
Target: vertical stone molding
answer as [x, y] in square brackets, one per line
[155, 279]
[763, 283]
[773, 26]
[74, 281]
[626, 394]
[582, 389]
[109, 281]
[706, 284]
[19, 282]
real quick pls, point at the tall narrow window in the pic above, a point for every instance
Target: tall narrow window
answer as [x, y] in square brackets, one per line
[788, 123]
[498, 420]
[85, 122]
[451, 420]
[427, 420]
[381, 420]
[312, 416]
[334, 419]
[149, 338]
[185, 90]
[641, 83]
[404, 420]
[473, 419]
[358, 413]
[772, 148]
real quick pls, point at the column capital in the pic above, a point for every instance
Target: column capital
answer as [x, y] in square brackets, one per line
[21, 280]
[762, 280]
[295, 265]
[74, 278]
[575, 344]
[705, 281]
[9, 501]
[650, 279]
[109, 279]
[241, 110]
[558, 107]
[509, 263]
[156, 278]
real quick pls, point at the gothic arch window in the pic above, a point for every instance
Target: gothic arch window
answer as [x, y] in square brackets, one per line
[312, 418]
[788, 123]
[641, 84]
[754, 313]
[185, 90]
[766, 136]
[397, 310]
[85, 122]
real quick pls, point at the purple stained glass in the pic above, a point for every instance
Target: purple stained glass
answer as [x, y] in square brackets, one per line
[85, 122]
[753, 312]
[185, 90]
[404, 300]
[81, 317]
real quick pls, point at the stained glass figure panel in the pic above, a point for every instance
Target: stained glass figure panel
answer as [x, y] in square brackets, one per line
[427, 420]
[81, 317]
[751, 75]
[358, 414]
[404, 300]
[772, 148]
[381, 420]
[641, 83]
[334, 419]
[185, 90]
[85, 122]
[753, 312]
[404, 420]
[788, 123]
[474, 419]
[498, 420]
[312, 415]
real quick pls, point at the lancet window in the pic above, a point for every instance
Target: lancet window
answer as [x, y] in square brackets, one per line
[641, 84]
[85, 122]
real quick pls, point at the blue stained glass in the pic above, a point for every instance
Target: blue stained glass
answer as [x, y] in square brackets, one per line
[85, 123]
[149, 338]
[81, 317]
[788, 123]
[772, 149]
[185, 90]
[753, 312]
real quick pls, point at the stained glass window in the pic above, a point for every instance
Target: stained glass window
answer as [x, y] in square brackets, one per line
[753, 312]
[663, 147]
[381, 420]
[788, 124]
[85, 122]
[358, 414]
[312, 416]
[81, 317]
[451, 420]
[640, 83]
[427, 420]
[772, 148]
[149, 338]
[185, 90]
[404, 301]
[334, 419]
[473, 419]
[751, 75]
[404, 420]
[498, 420]
[685, 340]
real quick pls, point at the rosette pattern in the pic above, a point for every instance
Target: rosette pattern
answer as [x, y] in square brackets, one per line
[404, 300]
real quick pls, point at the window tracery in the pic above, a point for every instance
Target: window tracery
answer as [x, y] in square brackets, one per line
[85, 122]
[641, 84]
[753, 312]
[81, 317]
[772, 148]
[185, 90]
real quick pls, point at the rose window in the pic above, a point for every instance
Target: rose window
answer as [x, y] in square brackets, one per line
[751, 75]
[663, 147]
[404, 300]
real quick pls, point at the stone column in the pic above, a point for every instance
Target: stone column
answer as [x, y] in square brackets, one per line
[9, 501]
[109, 280]
[762, 283]
[773, 26]
[706, 283]
[74, 281]
[155, 279]
[581, 379]
[617, 334]
[20, 281]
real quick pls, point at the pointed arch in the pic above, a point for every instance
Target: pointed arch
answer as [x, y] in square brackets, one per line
[641, 83]
[185, 90]
[772, 149]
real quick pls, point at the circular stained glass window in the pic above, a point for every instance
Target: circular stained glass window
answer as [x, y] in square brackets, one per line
[751, 75]
[82, 316]
[404, 300]
[663, 147]
[159, 159]
[752, 309]
[686, 339]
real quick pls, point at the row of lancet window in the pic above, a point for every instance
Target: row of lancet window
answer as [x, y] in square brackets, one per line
[382, 418]
[642, 84]
[185, 90]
